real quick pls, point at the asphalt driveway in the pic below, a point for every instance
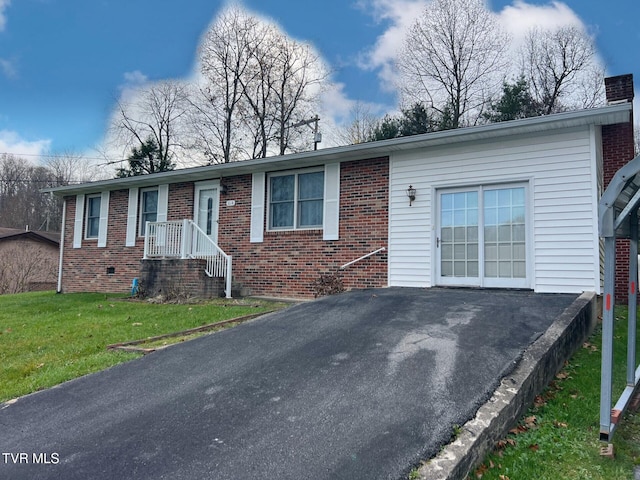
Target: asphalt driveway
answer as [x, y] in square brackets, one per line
[355, 386]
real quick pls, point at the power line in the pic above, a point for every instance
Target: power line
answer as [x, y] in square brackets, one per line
[81, 157]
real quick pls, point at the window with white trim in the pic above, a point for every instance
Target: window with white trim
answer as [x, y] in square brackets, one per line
[296, 200]
[92, 224]
[148, 207]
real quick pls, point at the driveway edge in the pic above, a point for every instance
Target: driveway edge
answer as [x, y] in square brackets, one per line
[539, 364]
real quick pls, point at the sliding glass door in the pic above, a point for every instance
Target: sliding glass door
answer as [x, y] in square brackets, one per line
[481, 237]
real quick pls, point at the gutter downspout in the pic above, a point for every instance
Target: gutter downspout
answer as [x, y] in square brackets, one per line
[64, 218]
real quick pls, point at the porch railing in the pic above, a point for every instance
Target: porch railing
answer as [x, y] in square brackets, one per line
[184, 239]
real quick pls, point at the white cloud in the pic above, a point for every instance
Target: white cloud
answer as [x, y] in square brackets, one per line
[399, 15]
[134, 83]
[11, 142]
[4, 4]
[135, 78]
[519, 18]
[8, 69]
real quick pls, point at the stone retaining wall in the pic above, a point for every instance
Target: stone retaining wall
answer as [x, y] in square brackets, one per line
[538, 366]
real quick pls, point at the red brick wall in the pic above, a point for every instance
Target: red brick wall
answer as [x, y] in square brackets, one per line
[617, 150]
[85, 269]
[286, 264]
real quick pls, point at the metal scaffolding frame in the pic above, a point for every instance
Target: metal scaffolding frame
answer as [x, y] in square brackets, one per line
[618, 218]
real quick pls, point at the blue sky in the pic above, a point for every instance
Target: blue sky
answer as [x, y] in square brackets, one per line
[64, 63]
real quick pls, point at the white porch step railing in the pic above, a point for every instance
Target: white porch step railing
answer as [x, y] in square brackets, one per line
[184, 239]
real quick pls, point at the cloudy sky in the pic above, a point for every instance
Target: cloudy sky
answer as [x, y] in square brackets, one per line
[64, 63]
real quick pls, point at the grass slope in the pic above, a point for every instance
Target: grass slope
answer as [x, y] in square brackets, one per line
[558, 438]
[46, 339]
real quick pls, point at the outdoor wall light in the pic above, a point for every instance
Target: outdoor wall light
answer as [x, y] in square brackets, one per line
[411, 193]
[223, 188]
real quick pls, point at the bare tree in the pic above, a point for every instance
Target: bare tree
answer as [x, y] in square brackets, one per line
[21, 202]
[155, 114]
[257, 82]
[451, 59]
[300, 77]
[562, 69]
[225, 57]
[22, 265]
[362, 126]
[69, 167]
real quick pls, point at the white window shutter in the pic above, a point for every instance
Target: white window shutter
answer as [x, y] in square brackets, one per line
[331, 211]
[257, 208]
[104, 217]
[77, 224]
[163, 203]
[132, 217]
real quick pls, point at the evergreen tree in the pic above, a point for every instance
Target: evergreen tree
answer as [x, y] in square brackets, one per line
[516, 102]
[146, 159]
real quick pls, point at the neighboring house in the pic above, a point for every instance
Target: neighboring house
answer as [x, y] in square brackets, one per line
[28, 260]
[509, 205]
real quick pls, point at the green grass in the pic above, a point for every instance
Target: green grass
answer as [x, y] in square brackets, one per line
[559, 437]
[46, 339]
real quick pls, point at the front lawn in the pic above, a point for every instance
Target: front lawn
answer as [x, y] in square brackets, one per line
[46, 339]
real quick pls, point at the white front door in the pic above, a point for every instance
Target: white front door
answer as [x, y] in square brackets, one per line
[206, 209]
[481, 237]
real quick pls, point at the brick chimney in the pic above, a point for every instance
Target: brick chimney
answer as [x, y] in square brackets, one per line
[617, 150]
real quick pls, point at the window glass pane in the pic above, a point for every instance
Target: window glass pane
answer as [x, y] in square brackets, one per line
[447, 269]
[472, 216]
[490, 269]
[447, 235]
[311, 186]
[447, 218]
[518, 214]
[472, 234]
[93, 216]
[149, 208]
[519, 269]
[472, 269]
[282, 188]
[504, 196]
[310, 213]
[504, 269]
[447, 201]
[459, 217]
[282, 215]
[504, 233]
[150, 201]
[93, 227]
[518, 196]
[94, 207]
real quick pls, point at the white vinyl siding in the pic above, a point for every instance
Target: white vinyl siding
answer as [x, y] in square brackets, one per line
[558, 169]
